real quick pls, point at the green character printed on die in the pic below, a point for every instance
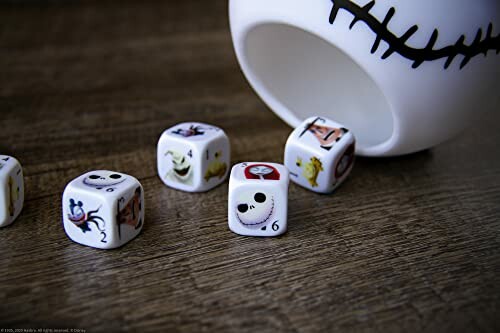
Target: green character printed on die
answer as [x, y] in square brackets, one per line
[182, 170]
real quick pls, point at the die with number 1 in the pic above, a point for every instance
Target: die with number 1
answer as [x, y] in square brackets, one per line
[193, 157]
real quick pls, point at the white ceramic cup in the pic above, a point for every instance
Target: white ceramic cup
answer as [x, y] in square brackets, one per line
[402, 75]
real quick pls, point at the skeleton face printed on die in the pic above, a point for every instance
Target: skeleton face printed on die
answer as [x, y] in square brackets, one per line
[104, 180]
[261, 171]
[326, 136]
[182, 170]
[255, 209]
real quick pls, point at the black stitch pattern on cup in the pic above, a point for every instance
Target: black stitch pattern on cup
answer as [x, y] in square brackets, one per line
[418, 56]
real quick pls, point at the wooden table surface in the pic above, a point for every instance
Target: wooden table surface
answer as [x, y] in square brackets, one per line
[406, 244]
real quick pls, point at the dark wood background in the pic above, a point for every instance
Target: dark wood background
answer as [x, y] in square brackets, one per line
[406, 244]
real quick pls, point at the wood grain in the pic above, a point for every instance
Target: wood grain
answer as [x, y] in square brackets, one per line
[406, 244]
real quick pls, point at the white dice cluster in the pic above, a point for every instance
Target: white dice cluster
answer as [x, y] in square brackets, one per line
[193, 157]
[320, 154]
[11, 189]
[103, 209]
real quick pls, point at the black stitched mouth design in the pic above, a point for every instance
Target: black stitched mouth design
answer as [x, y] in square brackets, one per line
[418, 56]
[182, 172]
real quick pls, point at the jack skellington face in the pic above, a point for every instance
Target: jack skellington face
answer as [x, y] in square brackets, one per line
[103, 179]
[255, 209]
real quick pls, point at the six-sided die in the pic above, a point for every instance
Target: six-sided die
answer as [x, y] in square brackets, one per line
[103, 209]
[319, 154]
[258, 199]
[193, 157]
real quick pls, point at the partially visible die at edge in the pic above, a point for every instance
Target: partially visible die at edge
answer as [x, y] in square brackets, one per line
[320, 154]
[103, 209]
[11, 190]
[193, 157]
[258, 199]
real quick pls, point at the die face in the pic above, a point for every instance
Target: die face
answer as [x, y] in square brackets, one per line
[320, 135]
[216, 158]
[11, 190]
[103, 209]
[258, 199]
[178, 164]
[307, 169]
[87, 218]
[129, 216]
[193, 157]
[319, 154]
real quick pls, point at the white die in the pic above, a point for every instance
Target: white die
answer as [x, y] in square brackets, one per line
[103, 209]
[193, 157]
[258, 199]
[11, 190]
[320, 154]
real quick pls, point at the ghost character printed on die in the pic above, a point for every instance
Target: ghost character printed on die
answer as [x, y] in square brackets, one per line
[321, 134]
[180, 168]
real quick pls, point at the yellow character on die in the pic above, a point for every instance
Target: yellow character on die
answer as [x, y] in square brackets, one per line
[311, 170]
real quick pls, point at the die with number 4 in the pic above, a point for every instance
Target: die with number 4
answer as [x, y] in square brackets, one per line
[258, 199]
[103, 209]
[11, 190]
[319, 154]
[193, 157]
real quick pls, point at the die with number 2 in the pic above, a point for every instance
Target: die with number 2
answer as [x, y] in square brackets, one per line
[103, 209]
